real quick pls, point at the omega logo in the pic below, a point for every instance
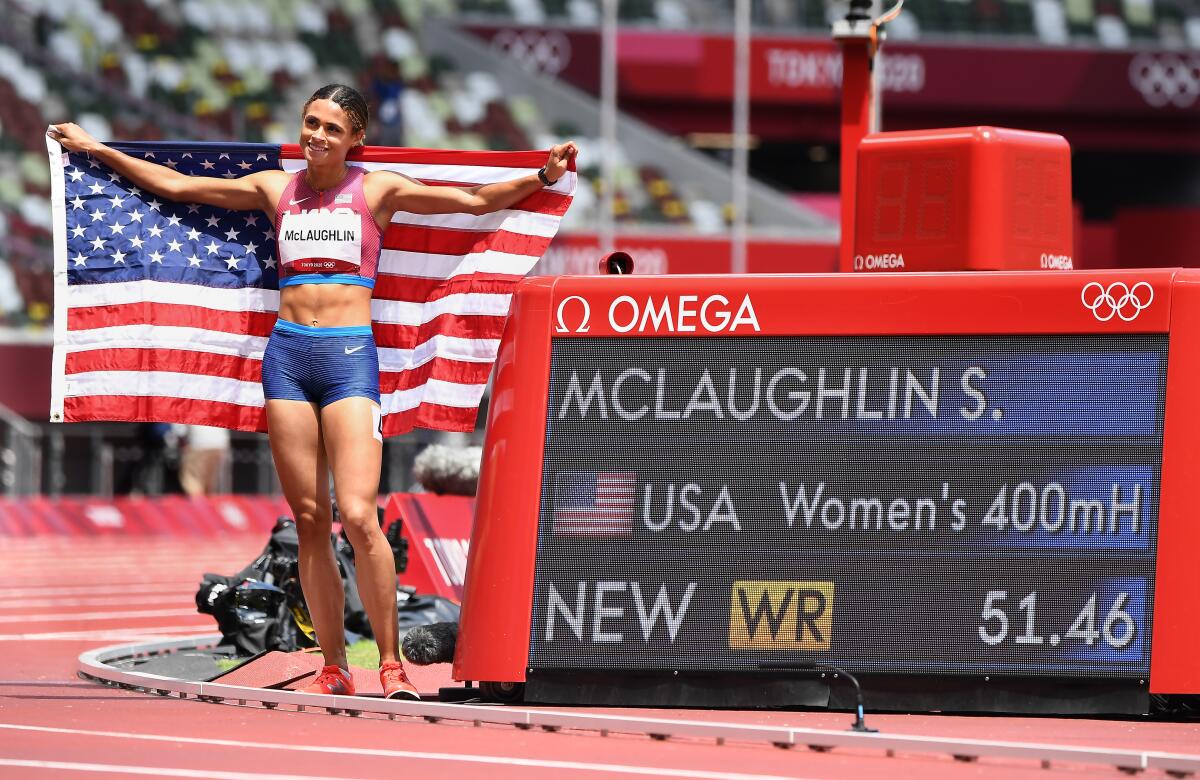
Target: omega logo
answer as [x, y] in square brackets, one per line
[1060, 262]
[669, 314]
[584, 325]
[681, 314]
[888, 260]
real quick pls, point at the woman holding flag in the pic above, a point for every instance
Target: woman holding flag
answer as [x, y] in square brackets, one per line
[320, 370]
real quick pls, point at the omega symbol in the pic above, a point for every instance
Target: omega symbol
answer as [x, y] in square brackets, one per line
[584, 325]
[1118, 299]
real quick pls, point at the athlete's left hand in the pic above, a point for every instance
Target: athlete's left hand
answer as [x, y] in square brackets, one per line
[560, 156]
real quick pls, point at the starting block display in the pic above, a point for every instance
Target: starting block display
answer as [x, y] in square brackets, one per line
[971, 490]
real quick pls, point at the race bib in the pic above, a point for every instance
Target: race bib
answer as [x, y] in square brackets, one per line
[321, 241]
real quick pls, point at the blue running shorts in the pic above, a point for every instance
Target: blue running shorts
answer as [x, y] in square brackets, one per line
[320, 365]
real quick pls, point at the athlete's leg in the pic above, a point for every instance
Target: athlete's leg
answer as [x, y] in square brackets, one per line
[355, 450]
[296, 445]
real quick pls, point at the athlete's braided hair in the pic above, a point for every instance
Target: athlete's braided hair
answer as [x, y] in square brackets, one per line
[349, 99]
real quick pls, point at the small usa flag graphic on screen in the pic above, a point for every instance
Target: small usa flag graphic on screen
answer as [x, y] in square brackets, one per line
[591, 503]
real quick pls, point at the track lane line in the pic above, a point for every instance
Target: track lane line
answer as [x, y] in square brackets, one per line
[73, 766]
[84, 616]
[471, 758]
[146, 599]
[91, 590]
[163, 633]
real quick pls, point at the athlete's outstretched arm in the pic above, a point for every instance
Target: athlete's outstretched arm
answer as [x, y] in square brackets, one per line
[241, 194]
[404, 194]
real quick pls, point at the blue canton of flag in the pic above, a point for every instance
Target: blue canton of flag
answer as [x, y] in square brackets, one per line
[118, 233]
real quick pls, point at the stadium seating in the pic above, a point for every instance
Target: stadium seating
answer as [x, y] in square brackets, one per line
[238, 69]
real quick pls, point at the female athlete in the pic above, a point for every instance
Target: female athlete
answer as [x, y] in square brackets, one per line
[320, 371]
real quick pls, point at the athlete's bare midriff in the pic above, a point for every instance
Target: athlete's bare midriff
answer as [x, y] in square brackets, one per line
[323, 305]
[326, 305]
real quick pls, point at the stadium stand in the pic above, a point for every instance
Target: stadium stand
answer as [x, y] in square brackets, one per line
[211, 69]
[136, 69]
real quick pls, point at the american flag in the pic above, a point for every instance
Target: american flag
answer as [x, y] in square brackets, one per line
[590, 503]
[162, 310]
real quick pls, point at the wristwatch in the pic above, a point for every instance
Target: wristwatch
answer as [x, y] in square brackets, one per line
[544, 179]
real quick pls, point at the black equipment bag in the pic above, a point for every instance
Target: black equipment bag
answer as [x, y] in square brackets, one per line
[262, 607]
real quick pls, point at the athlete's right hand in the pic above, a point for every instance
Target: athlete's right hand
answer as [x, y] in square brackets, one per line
[72, 136]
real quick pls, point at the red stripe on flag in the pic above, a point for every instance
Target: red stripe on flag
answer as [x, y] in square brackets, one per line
[415, 289]
[545, 202]
[435, 416]
[180, 361]
[450, 241]
[540, 202]
[252, 323]
[125, 408]
[443, 369]
[473, 326]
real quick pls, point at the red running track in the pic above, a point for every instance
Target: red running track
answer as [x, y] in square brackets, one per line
[62, 596]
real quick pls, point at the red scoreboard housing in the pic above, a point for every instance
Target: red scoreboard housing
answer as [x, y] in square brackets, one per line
[975, 491]
[963, 199]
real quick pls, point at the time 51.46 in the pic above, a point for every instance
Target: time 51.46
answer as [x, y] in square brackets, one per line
[1099, 620]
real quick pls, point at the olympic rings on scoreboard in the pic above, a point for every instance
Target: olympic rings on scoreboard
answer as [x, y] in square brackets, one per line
[1118, 299]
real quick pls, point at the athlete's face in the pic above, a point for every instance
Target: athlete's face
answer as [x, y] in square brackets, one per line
[325, 133]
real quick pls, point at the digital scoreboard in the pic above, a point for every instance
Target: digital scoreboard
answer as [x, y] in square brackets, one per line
[963, 199]
[948, 479]
[851, 497]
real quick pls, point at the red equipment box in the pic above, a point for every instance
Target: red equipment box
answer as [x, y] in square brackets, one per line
[963, 199]
[974, 491]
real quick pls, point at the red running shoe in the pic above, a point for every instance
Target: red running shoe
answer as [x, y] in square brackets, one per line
[332, 680]
[395, 682]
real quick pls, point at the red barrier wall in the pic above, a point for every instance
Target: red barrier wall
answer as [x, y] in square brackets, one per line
[172, 516]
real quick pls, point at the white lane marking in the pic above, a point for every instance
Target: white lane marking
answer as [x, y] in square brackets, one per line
[73, 766]
[146, 613]
[110, 601]
[32, 575]
[113, 634]
[107, 585]
[467, 758]
[117, 567]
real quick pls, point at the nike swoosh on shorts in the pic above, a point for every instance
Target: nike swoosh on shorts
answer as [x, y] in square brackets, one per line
[352, 350]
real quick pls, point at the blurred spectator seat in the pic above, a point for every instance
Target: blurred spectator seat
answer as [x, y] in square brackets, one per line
[1050, 22]
[1111, 31]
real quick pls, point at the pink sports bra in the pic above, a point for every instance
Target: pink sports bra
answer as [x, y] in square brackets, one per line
[326, 237]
